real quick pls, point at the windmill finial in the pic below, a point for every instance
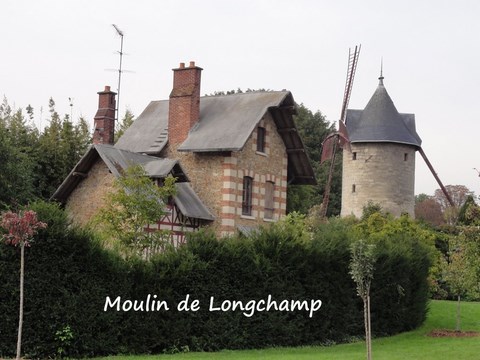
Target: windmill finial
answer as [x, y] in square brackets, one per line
[381, 72]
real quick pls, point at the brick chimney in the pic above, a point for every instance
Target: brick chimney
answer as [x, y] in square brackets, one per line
[184, 106]
[104, 121]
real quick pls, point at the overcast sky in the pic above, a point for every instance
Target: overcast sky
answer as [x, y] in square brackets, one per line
[430, 50]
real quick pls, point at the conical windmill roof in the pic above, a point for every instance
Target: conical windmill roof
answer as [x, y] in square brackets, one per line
[381, 122]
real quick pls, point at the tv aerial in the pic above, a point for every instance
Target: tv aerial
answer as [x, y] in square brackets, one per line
[120, 70]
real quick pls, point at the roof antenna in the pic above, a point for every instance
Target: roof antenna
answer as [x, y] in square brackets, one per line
[381, 72]
[119, 32]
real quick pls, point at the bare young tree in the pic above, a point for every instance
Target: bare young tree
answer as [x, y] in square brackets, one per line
[362, 264]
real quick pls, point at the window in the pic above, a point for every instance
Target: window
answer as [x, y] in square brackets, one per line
[261, 139]
[405, 157]
[247, 196]
[354, 156]
[269, 195]
[354, 188]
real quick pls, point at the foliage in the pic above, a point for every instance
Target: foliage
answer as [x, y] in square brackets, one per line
[428, 210]
[134, 203]
[16, 165]
[369, 209]
[313, 129]
[64, 338]
[20, 229]
[458, 274]
[469, 213]
[71, 275]
[458, 194]
[362, 265]
[60, 146]
[33, 163]
[124, 124]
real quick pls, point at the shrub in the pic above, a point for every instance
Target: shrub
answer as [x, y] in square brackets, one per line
[69, 276]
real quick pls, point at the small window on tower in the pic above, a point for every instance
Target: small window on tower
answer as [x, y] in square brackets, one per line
[405, 157]
[354, 188]
[354, 156]
[261, 139]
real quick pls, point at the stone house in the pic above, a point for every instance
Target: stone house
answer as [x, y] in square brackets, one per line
[233, 156]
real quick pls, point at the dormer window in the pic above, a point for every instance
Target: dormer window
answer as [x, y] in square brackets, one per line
[261, 132]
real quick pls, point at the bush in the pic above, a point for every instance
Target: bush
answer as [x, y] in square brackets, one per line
[68, 277]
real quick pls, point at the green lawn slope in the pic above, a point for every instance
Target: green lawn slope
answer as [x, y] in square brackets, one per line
[411, 345]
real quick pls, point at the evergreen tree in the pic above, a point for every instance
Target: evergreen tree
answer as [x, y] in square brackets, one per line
[125, 123]
[17, 140]
[83, 137]
[60, 147]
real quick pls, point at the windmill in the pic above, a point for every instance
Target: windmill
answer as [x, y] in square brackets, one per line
[386, 141]
[339, 138]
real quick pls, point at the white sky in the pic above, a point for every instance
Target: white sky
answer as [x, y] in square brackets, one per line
[430, 50]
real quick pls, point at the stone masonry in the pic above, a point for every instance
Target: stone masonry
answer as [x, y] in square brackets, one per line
[89, 196]
[383, 173]
[218, 179]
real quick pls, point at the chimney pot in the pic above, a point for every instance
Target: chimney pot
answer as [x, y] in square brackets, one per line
[192, 64]
[107, 88]
[182, 66]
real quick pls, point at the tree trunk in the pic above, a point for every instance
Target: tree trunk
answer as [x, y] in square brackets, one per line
[369, 341]
[20, 317]
[366, 317]
[457, 327]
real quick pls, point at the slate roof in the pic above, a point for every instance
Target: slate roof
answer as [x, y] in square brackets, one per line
[381, 122]
[118, 160]
[149, 132]
[225, 124]
[189, 203]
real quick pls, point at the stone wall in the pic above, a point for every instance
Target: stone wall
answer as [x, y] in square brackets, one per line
[88, 196]
[217, 178]
[383, 173]
[262, 167]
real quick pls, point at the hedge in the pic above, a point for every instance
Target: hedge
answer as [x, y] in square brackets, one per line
[68, 277]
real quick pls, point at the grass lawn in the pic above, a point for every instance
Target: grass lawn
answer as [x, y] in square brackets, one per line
[411, 345]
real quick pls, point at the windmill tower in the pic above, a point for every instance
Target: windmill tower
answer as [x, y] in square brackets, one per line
[381, 165]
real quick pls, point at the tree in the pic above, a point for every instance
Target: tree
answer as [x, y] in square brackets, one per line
[469, 213]
[125, 123]
[362, 265]
[458, 194]
[17, 143]
[313, 129]
[428, 210]
[20, 229]
[135, 202]
[459, 274]
[60, 147]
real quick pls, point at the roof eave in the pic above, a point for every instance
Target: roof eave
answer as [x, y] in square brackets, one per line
[71, 181]
[385, 141]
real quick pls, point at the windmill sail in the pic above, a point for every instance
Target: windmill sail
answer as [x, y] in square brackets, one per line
[329, 146]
